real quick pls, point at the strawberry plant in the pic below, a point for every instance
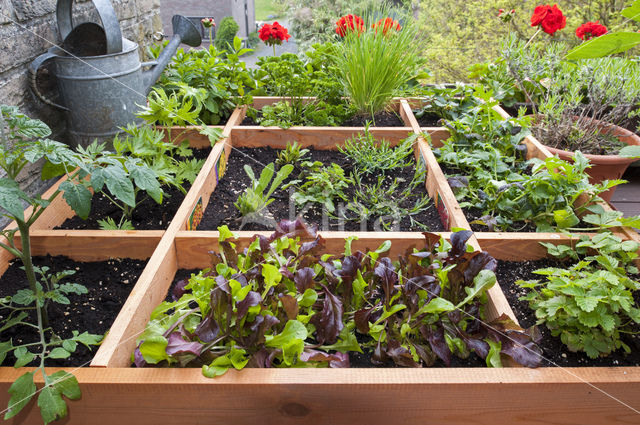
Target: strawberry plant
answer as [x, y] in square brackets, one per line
[484, 158]
[589, 304]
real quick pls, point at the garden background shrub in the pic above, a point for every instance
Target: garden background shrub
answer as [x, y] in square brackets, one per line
[228, 30]
[465, 32]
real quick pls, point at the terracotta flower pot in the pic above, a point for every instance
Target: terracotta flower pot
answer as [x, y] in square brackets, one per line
[605, 167]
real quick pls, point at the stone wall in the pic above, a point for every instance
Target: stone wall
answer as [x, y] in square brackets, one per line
[28, 28]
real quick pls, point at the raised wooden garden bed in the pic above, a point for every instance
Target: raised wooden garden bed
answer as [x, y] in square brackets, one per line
[115, 392]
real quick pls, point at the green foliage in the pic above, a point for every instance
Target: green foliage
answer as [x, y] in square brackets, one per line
[280, 303]
[293, 78]
[180, 107]
[23, 141]
[224, 80]
[323, 186]
[288, 75]
[476, 22]
[292, 154]
[171, 162]
[370, 156]
[373, 67]
[227, 30]
[298, 112]
[384, 202]
[566, 98]
[487, 171]
[121, 179]
[254, 199]
[590, 303]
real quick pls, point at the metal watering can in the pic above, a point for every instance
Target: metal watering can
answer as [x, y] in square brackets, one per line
[99, 73]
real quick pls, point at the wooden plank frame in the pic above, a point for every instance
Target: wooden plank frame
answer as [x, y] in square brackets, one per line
[114, 392]
[344, 396]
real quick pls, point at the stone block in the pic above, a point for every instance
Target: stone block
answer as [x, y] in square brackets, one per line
[26, 43]
[125, 9]
[30, 9]
[6, 12]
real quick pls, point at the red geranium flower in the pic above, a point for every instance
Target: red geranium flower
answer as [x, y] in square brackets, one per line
[590, 29]
[349, 23]
[273, 34]
[549, 17]
[386, 24]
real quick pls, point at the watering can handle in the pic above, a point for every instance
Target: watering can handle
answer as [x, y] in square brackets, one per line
[33, 79]
[107, 15]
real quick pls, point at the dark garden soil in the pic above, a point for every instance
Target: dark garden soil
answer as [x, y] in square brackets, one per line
[221, 209]
[109, 284]
[148, 215]
[429, 120]
[382, 119]
[556, 353]
[356, 360]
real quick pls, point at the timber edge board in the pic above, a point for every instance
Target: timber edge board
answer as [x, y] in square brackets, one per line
[350, 396]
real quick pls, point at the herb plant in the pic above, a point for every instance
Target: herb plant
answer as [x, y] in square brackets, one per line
[299, 112]
[324, 186]
[254, 199]
[375, 65]
[23, 141]
[589, 304]
[485, 165]
[383, 202]
[292, 154]
[372, 156]
[291, 76]
[281, 303]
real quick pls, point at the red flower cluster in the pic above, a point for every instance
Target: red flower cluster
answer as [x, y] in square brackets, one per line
[590, 29]
[273, 34]
[349, 23]
[550, 17]
[386, 24]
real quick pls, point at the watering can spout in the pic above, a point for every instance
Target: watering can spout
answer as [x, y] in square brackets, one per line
[184, 32]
